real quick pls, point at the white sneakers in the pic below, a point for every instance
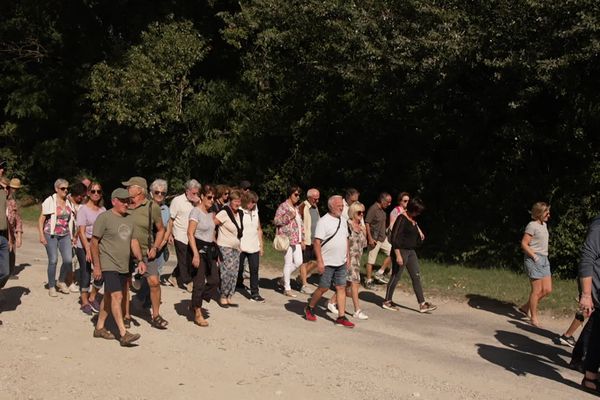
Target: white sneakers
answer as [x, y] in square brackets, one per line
[332, 308]
[360, 315]
[52, 292]
[73, 288]
[62, 287]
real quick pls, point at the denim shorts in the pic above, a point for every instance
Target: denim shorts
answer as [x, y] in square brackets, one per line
[537, 270]
[333, 275]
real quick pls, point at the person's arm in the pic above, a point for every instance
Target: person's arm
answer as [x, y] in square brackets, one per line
[284, 215]
[84, 242]
[41, 221]
[396, 238]
[525, 246]
[260, 239]
[590, 252]
[192, 242]
[18, 227]
[318, 255]
[169, 234]
[94, 248]
[158, 239]
[137, 254]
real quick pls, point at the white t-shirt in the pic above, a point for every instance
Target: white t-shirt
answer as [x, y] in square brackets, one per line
[539, 237]
[335, 251]
[180, 211]
[249, 242]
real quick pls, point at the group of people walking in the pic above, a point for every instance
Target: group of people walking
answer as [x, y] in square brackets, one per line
[217, 236]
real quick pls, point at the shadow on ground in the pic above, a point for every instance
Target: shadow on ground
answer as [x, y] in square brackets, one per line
[10, 298]
[495, 306]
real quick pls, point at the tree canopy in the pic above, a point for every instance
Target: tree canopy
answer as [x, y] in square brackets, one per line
[479, 107]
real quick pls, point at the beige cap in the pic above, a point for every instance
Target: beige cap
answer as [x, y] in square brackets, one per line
[136, 181]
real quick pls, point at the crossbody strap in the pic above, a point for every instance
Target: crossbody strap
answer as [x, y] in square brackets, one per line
[334, 233]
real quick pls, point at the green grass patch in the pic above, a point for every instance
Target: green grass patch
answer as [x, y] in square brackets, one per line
[31, 213]
[462, 283]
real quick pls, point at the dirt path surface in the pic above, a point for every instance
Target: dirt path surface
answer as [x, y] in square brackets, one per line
[478, 350]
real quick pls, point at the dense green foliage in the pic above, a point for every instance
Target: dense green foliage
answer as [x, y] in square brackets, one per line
[479, 107]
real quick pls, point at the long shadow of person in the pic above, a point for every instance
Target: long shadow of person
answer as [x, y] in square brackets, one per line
[10, 298]
[536, 330]
[183, 308]
[18, 269]
[297, 307]
[527, 345]
[373, 298]
[521, 364]
[495, 306]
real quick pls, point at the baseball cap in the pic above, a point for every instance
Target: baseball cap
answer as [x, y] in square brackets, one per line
[136, 181]
[120, 194]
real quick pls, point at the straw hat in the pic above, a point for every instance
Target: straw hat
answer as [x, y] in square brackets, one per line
[15, 183]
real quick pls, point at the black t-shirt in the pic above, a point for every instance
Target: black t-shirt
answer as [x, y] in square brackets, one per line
[405, 235]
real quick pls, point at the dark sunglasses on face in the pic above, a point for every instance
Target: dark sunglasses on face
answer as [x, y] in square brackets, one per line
[209, 197]
[359, 212]
[93, 191]
[157, 193]
[64, 189]
[296, 194]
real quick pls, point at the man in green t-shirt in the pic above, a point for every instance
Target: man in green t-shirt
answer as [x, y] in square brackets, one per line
[112, 245]
[149, 231]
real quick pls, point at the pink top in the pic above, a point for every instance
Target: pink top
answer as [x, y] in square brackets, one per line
[288, 222]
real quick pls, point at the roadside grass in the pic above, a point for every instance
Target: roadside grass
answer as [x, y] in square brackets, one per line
[30, 213]
[461, 283]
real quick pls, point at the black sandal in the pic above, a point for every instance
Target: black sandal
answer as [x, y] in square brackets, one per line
[159, 322]
[127, 323]
[593, 390]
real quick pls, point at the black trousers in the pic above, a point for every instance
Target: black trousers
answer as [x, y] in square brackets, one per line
[592, 358]
[253, 262]
[183, 270]
[205, 279]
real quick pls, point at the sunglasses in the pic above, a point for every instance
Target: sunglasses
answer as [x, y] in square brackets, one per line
[124, 201]
[157, 193]
[93, 191]
[209, 197]
[64, 189]
[296, 194]
[359, 212]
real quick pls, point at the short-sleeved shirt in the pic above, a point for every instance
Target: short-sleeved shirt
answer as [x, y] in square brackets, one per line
[115, 233]
[376, 219]
[86, 217]
[250, 242]
[227, 231]
[142, 223]
[205, 230]
[539, 237]
[180, 212]
[335, 251]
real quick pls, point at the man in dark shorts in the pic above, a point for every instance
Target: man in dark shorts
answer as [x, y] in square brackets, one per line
[149, 232]
[111, 247]
[333, 261]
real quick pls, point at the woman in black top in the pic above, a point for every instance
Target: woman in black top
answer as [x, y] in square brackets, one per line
[406, 237]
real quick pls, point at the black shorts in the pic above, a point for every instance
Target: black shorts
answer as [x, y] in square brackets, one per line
[114, 281]
[308, 254]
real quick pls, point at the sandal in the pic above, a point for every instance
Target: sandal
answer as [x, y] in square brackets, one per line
[159, 322]
[593, 390]
[127, 322]
[201, 322]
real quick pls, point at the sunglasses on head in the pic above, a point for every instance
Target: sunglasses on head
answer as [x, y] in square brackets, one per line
[157, 193]
[94, 191]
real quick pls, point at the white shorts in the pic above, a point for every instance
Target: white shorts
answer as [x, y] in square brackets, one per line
[384, 246]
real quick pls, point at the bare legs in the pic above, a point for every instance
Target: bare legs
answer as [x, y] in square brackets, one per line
[540, 288]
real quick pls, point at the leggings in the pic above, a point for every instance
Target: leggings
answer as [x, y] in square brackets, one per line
[205, 278]
[411, 262]
[592, 358]
[292, 260]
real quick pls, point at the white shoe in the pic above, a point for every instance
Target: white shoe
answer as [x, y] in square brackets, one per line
[360, 315]
[306, 289]
[73, 288]
[52, 292]
[332, 308]
[62, 287]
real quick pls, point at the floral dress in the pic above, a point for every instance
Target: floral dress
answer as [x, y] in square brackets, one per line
[358, 241]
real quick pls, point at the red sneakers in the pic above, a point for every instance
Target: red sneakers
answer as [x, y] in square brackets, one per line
[343, 321]
[309, 314]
